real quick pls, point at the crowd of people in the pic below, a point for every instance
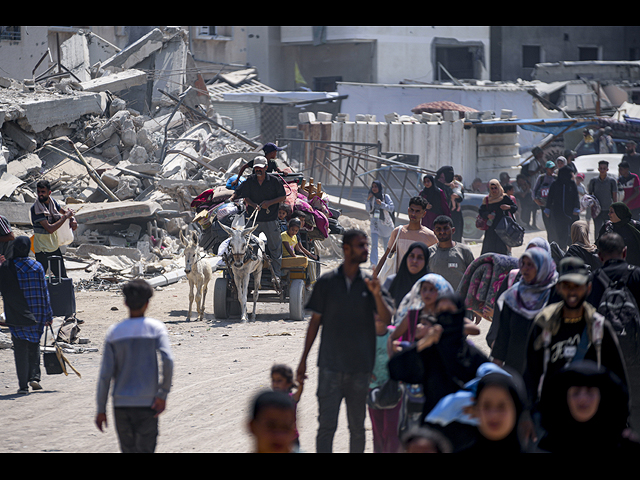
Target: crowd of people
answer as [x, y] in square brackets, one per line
[563, 369]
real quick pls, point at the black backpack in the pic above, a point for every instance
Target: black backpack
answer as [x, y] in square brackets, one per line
[619, 307]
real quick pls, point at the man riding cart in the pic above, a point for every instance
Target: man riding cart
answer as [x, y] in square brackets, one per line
[263, 192]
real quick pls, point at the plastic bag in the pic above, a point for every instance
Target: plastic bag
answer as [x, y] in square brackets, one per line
[65, 234]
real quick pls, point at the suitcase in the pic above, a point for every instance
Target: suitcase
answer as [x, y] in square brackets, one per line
[61, 295]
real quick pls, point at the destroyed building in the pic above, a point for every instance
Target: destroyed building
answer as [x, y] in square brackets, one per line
[127, 151]
[125, 147]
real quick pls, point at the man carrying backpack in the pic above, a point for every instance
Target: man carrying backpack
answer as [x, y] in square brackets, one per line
[616, 295]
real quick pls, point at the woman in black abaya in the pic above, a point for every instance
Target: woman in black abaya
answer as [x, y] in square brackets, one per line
[437, 202]
[444, 178]
[584, 408]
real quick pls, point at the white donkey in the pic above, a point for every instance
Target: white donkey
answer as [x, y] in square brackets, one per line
[198, 273]
[243, 264]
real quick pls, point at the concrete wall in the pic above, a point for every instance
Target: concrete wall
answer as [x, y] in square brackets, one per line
[471, 153]
[558, 43]
[400, 52]
[18, 58]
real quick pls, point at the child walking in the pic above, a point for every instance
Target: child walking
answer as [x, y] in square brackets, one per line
[129, 363]
[282, 381]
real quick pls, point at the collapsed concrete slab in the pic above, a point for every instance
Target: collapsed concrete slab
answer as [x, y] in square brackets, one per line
[115, 82]
[115, 211]
[37, 112]
[137, 51]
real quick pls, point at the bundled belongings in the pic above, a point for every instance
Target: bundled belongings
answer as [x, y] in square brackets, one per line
[212, 208]
[482, 280]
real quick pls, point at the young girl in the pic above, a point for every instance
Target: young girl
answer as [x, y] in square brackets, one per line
[418, 304]
[282, 381]
[291, 246]
[384, 421]
[380, 208]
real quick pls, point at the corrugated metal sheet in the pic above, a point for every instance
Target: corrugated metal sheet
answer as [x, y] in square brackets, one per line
[217, 90]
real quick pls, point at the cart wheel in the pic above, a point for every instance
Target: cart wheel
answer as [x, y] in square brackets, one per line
[220, 304]
[297, 292]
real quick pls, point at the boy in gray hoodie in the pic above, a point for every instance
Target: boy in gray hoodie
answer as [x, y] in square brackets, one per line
[130, 362]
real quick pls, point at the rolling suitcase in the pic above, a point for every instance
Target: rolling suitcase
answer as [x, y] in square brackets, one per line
[61, 294]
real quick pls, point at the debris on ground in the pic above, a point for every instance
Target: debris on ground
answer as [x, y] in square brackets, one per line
[129, 152]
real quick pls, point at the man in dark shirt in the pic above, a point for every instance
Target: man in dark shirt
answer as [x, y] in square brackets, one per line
[632, 157]
[264, 192]
[612, 252]
[345, 303]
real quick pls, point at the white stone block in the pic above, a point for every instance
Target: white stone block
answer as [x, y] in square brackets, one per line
[451, 115]
[324, 117]
[306, 117]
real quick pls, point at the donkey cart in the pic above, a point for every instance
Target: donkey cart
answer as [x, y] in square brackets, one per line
[292, 288]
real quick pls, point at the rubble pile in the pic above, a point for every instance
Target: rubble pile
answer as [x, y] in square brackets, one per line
[131, 174]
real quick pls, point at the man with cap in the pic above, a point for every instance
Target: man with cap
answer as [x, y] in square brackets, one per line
[270, 153]
[27, 311]
[570, 330]
[264, 192]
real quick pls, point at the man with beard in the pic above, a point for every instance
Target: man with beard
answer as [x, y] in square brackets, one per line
[569, 331]
[47, 217]
[347, 304]
[264, 192]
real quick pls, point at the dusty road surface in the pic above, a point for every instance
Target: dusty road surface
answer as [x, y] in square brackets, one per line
[219, 366]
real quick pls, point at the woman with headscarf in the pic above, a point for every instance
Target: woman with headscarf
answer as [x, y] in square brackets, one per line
[510, 280]
[418, 304]
[563, 207]
[437, 203]
[416, 307]
[584, 409]
[380, 208]
[494, 207]
[520, 304]
[413, 266]
[582, 247]
[620, 222]
[440, 360]
[499, 405]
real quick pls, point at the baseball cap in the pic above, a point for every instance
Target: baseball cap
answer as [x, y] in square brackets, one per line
[550, 164]
[573, 269]
[270, 147]
[260, 161]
